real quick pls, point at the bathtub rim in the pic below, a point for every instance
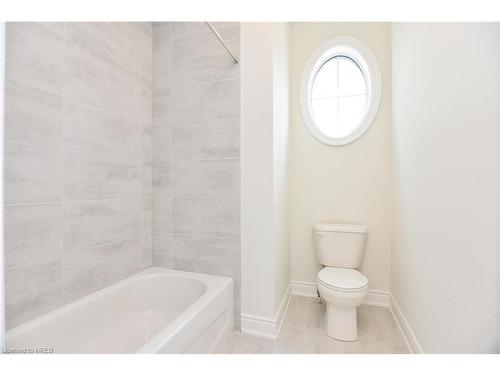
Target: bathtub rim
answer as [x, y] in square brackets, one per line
[214, 285]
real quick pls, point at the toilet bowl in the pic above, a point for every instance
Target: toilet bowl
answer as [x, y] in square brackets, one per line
[343, 291]
[340, 249]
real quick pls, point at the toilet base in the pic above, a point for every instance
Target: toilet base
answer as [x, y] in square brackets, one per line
[341, 323]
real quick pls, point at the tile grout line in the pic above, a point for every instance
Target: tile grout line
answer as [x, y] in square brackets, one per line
[194, 160]
[171, 138]
[107, 243]
[198, 235]
[155, 95]
[52, 258]
[66, 149]
[171, 87]
[115, 156]
[62, 163]
[181, 84]
[62, 202]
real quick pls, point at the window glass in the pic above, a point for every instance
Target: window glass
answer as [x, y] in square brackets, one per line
[339, 97]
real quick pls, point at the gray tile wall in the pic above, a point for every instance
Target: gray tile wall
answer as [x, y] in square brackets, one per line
[196, 150]
[109, 170]
[78, 152]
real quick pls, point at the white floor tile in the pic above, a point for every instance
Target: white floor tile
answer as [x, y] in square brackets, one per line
[303, 333]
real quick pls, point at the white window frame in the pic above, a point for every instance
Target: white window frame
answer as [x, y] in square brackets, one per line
[364, 57]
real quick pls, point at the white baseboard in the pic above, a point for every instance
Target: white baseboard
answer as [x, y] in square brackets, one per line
[307, 289]
[304, 289]
[258, 326]
[283, 308]
[410, 338]
[265, 327]
[377, 298]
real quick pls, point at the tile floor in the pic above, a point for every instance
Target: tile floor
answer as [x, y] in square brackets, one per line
[303, 333]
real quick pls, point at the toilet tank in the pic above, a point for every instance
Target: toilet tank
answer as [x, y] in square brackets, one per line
[340, 245]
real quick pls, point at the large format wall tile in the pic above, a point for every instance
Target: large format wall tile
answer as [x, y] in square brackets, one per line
[145, 101]
[162, 55]
[147, 214]
[32, 233]
[162, 179]
[32, 174]
[212, 255]
[147, 177]
[32, 290]
[196, 117]
[110, 160]
[34, 52]
[98, 82]
[78, 183]
[32, 116]
[97, 177]
[206, 103]
[199, 141]
[86, 271]
[147, 251]
[162, 142]
[147, 139]
[162, 250]
[193, 64]
[162, 214]
[92, 129]
[207, 178]
[162, 107]
[147, 125]
[93, 223]
[125, 45]
[218, 217]
[228, 29]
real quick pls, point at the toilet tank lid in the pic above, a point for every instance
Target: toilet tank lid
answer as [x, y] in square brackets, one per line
[334, 227]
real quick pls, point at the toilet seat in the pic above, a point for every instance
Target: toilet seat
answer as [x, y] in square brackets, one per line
[343, 279]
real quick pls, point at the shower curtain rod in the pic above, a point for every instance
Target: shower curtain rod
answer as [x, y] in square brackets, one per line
[218, 36]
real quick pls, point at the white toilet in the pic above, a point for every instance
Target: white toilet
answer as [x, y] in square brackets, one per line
[340, 249]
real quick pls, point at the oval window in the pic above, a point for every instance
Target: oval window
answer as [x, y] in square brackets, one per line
[340, 91]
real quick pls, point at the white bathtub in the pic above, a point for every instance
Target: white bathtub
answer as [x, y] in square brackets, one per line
[154, 311]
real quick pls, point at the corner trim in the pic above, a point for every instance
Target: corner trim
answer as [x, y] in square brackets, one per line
[405, 328]
[264, 327]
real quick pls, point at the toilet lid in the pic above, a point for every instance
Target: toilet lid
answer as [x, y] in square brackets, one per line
[342, 278]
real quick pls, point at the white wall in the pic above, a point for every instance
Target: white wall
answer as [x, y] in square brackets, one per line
[346, 184]
[256, 170]
[264, 160]
[498, 121]
[445, 130]
[281, 93]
